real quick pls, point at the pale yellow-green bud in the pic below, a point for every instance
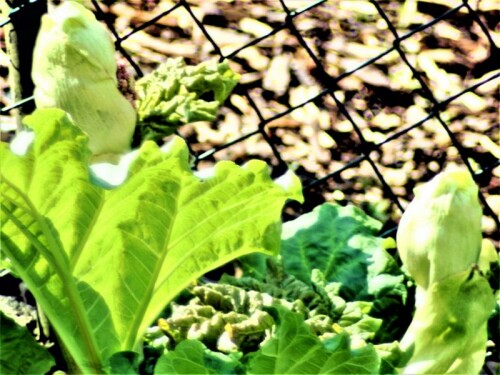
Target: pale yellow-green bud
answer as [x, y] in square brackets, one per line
[440, 232]
[74, 69]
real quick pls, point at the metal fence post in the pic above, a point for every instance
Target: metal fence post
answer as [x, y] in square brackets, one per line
[21, 34]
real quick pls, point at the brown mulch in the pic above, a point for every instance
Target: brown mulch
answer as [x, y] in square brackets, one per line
[382, 98]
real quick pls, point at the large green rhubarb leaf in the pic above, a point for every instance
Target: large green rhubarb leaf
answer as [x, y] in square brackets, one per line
[103, 255]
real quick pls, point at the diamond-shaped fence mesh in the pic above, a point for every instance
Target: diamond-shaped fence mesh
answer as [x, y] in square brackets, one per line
[363, 99]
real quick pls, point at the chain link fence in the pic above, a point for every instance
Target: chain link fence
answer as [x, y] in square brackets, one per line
[357, 96]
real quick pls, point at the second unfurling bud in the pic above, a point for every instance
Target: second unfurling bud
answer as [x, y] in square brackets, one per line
[440, 232]
[439, 241]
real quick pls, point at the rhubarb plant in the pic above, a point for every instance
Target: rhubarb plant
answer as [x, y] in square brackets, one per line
[104, 247]
[106, 239]
[276, 319]
[439, 240]
[103, 262]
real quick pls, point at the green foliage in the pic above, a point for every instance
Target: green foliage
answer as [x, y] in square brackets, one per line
[232, 320]
[123, 363]
[102, 263]
[105, 247]
[192, 357]
[294, 349]
[291, 348]
[341, 242]
[174, 94]
[20, 353]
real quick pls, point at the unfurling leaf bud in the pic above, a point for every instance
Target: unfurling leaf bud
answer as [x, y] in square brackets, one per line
[74, 69]
[440, 232]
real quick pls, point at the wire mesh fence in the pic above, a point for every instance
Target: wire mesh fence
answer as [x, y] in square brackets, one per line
[341, 91]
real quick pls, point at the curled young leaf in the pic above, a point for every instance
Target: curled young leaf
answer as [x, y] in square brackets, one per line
[176, 94]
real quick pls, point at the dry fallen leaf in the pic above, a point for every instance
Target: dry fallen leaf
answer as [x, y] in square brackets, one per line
[254, 27]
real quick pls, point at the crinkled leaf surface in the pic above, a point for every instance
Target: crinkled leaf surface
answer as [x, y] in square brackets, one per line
[337, 240]
[102, 263]
[192, 357]
[294, 349]
[173, 95]
[356, 321]
[342, 243]
[20, 353]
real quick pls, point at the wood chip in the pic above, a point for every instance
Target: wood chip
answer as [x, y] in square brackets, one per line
[277, 77]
